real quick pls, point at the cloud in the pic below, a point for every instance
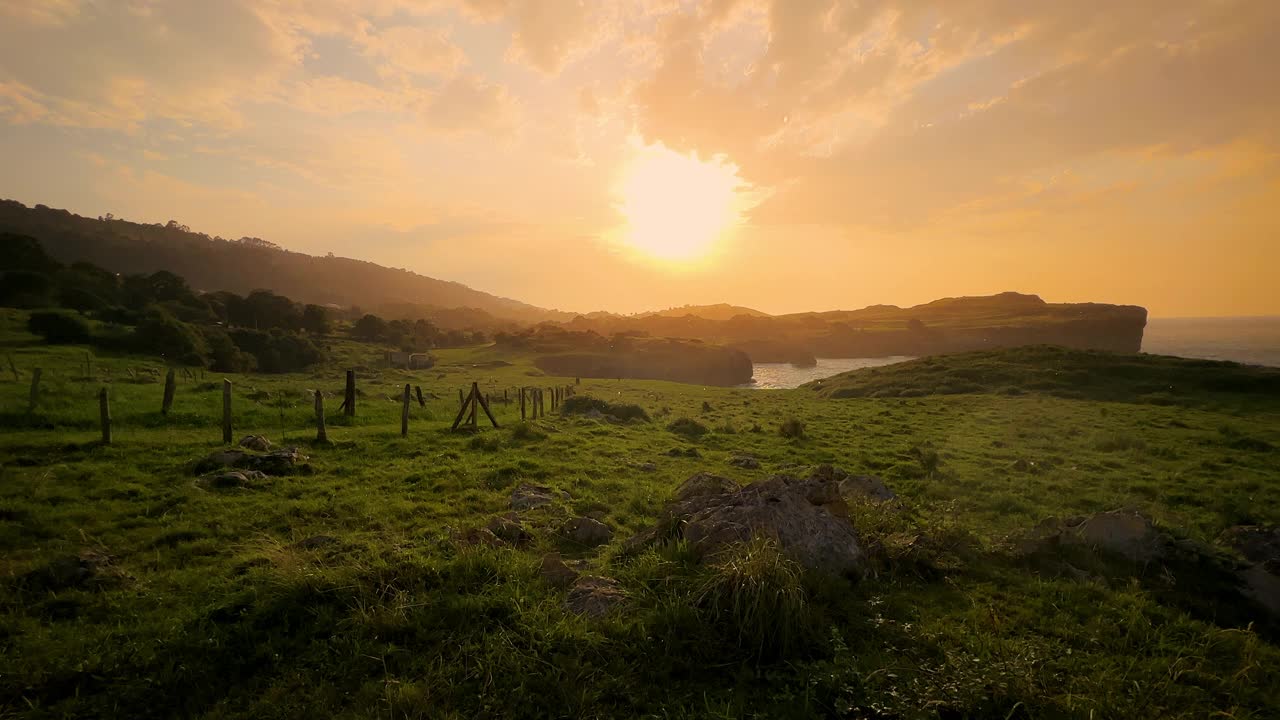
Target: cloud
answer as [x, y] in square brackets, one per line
[416, 50]
[469, 103]
[884, 112]
[190, 62]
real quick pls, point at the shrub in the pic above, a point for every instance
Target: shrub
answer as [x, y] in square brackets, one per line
[792, 429]
[928, 458]
[756, 595]
[160, 333]
[59, 326]
[278, 351]
[687, 427]
[524, 432]
[582, 404]
[224, 356]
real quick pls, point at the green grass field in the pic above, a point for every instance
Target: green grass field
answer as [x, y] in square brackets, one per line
[212, 609]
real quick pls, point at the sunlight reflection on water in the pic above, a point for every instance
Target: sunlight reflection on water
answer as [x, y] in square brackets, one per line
[778, 376]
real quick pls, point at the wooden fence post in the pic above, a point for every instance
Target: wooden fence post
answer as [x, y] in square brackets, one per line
[321, 435]
[421, 401]
[226, 411]
[169, 385]
[475, 400]
[104, 411]
[460, 399]
[349, 398]
[485, 406]
[404, 412]
[521, 404]
[35, 390]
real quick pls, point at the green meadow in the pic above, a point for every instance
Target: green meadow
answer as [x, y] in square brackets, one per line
[210, 603]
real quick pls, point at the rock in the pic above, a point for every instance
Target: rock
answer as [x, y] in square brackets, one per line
[868, 486]
[1126, 533]
[746, 462]
[255, 442]
[222, 459]
[315, 542]
[508, 529]
[1259, 544]
[528, 495]
[705, 484]
[233, 479]
[472, 537]
[278, 462]
[595, 596]
[88, 568]
[556, 573]
[586, 531]
[1260, 579]
[807, 518]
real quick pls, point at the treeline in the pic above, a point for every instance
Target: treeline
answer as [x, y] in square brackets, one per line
[244, 264]
[159, 314]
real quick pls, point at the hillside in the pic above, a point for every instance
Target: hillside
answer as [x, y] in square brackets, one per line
[941, 326]
[240, 266]
[1064, 373]
[445, 574]
[719, 312]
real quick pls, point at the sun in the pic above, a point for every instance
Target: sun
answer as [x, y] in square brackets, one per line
[677, 206]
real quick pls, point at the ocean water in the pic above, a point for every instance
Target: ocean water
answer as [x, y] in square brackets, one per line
[776, 376]
[1251, 340]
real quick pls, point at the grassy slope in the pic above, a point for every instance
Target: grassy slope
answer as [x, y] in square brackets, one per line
[222, 616]
[1065, 373]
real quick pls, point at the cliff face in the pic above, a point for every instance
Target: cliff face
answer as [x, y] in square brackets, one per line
[947, 325]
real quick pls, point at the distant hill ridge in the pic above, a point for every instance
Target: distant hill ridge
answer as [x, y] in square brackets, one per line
[211, 263]
[240, 266]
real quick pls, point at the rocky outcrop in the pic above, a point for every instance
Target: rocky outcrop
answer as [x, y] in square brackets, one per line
[1260, 546]
[864, 486]
[806, 517]
[527, 496]
[595, 596]
[278, 462]
[255, 442]
[1126, 533]
[585, 531]
[1207, 582]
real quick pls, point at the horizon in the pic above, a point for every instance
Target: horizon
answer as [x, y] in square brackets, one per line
[888, 155]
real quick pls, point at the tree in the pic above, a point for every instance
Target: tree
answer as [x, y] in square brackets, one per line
[315, 320]
[22, 252]
[59, 327]
[370, 328]
[264, 310]
[26, 289]
[160, 333]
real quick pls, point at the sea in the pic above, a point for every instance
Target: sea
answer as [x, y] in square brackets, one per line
[1249, 340]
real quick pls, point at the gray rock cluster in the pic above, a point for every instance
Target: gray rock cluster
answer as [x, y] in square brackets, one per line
[806, 516]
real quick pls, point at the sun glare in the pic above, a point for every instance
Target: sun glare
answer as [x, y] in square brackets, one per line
[677, 206]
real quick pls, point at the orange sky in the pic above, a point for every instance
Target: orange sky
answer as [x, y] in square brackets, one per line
[783, 154]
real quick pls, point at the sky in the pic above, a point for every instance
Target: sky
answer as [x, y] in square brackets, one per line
[786, 155]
